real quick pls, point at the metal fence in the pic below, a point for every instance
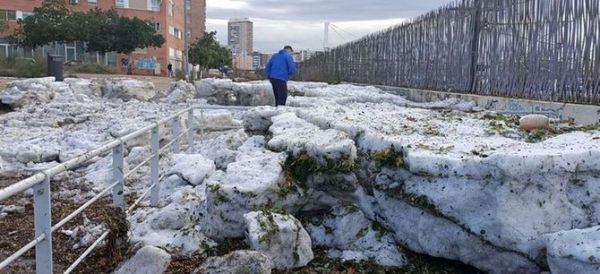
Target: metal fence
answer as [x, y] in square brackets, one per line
[534, 49]
[40, 183]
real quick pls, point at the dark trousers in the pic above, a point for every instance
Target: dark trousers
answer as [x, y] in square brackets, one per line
[280, 90]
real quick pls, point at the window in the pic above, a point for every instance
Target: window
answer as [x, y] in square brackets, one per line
[27, 14]
[120, 3]
[175, 32]
[94, 2]
[6, 15]
[155, 5]
[156, 25]
[171, 8]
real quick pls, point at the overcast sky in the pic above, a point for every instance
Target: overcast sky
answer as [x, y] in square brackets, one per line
[300, 23]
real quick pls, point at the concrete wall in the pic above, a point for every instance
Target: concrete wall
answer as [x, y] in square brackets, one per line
[583, 114]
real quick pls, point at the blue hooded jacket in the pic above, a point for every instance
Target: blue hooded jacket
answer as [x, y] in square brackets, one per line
[281, 66]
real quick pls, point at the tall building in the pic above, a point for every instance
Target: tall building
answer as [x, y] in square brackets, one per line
[240, 36]
[197, 19]
[167, 17]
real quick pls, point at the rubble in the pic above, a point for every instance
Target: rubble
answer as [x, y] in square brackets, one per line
[281, 237]
[148, 260]
[242, 261]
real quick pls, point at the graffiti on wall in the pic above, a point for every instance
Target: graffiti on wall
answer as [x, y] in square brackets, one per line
[516, 106]
[145, 63]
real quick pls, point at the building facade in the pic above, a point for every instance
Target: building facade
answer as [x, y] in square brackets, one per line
[240, 39]
[167, 17]
[197, 19]
[240, 36]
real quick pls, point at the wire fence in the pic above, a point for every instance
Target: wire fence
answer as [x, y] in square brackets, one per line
[535, 49]
[40, 183]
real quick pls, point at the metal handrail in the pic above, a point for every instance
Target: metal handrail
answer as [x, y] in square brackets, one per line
[40, 183]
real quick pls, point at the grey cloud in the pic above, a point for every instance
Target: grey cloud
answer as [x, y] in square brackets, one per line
[332, 10]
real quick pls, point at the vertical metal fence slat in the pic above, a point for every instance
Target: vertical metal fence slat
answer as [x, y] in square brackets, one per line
[117, 166]
[154, 194]
[42, 212]
[176, 131]
[190, 130]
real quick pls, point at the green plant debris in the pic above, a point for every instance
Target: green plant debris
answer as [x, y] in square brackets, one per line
[420, 264]
[214, 188]
[536, 136]
[379, 229]
[388, 158]
[509, 121]
[361, 233]
[300, 167]
[267, 223]
[433, 131]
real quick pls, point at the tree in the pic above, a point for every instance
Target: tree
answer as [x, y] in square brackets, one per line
[207, 53]
[101, 30]
[45, 26]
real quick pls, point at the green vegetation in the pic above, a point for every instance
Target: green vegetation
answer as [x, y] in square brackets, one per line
[419, 264]
[91, 68]
[216, 189]
[267, 223]
[536, 136]
[512, 120]
[388, 158]
[208, 54]
[23, 67]
[299, 167]
[101, 30]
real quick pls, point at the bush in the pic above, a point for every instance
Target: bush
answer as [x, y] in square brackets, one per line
[23, 67]
[92, 68]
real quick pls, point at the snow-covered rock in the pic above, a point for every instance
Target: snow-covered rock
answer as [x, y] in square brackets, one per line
[249, 183]
[21, 93]
[281, 237]
[84, 86]
[295, 136]
[193, 168]
[84, 235]
[353, 237]
[137, 155]
[226, 92]
[100, 173]
[423, 232]
[256, 94]
[180, 92]
[214, 120]
[176, 226]
[210, 87]
[148, 260]
[127, 89]
[259, 119]
[222, 149]
[12, 209]
[242, 261]
[574, 251]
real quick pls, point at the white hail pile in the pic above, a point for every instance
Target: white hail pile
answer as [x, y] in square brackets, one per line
[352, 169]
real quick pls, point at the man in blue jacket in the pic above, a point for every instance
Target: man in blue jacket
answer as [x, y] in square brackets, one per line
[278, 70]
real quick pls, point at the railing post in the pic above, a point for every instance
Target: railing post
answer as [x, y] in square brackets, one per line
[190, 129]
[43, 225]
[117, 166]
[176, 131]
[201, 123]
[154, 193]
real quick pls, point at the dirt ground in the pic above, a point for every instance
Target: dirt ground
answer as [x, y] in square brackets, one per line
[161, 83]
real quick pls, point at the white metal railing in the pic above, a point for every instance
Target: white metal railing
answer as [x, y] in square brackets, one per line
[40, 183]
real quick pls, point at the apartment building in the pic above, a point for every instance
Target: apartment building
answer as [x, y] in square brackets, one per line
[240, 39]
[167, 17]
